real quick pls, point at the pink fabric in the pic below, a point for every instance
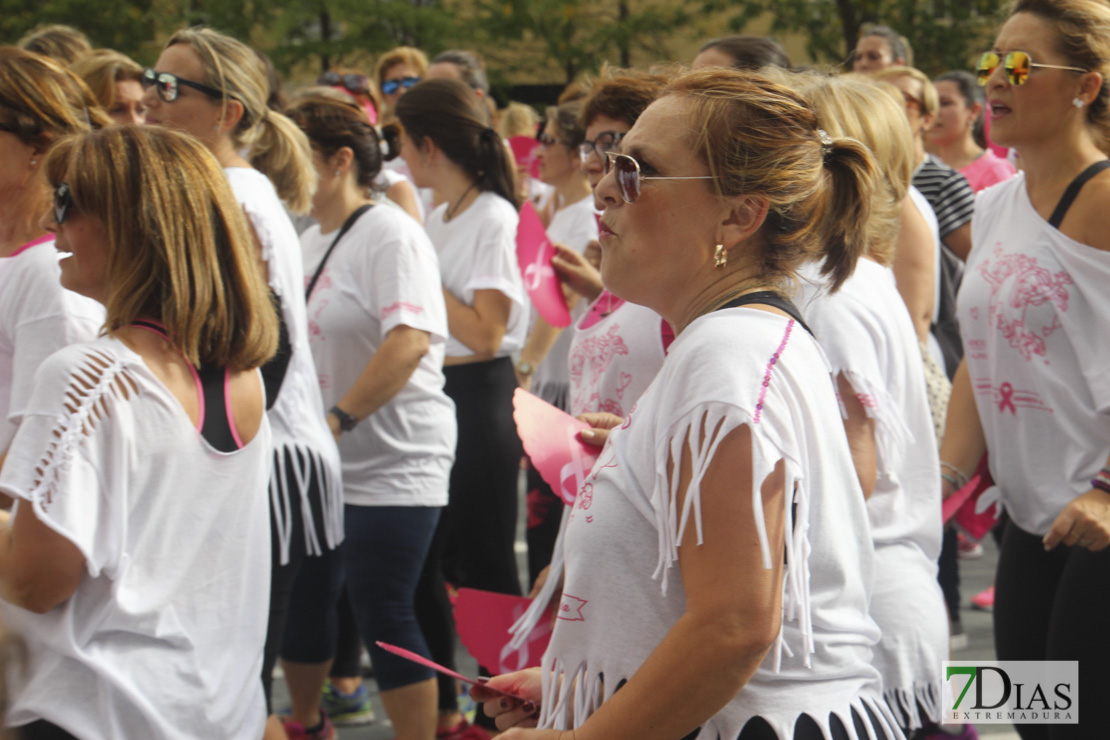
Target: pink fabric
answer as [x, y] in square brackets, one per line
[32, 243]
[987, 170]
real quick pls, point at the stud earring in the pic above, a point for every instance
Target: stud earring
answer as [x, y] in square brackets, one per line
[337, 173]
[1078, 102]
[720, 257]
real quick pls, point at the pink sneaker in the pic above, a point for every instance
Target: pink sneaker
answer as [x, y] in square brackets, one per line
[297, 731]
[983, 601]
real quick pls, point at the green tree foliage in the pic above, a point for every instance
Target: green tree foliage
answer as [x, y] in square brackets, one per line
[126, 25]
[944, 34]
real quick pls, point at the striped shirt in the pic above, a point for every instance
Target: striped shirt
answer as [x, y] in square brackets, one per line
[948, 193]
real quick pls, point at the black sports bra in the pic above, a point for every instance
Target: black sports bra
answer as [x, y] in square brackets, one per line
[215, 422]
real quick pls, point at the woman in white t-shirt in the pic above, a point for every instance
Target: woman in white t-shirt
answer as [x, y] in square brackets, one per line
[1032, 389]
[868, 337]
[718, 559]
[215, 88]
[135, 565]
[42, 102]
[377, 328]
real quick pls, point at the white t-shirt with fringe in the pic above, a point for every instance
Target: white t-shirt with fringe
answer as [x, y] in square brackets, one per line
[163, 637]
[867, 334]
[623, 591]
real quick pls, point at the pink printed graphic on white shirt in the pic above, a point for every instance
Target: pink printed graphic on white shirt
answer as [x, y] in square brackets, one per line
[1009, 399]
[1031, 285]
[570, 608]
[412, 308]
[589, 362]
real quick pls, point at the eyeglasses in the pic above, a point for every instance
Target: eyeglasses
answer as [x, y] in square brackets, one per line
[546, 140]
[605, 142]
[1017, 65]
[629, 178]
[351, 82]
[391, 86]
[168, 86]
[63, 201]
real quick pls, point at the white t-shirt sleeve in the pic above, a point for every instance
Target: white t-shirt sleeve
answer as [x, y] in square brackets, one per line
[495, 266]
[404, 273]
[65, 460]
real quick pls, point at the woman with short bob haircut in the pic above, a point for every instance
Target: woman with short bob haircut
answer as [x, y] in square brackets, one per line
[718, 564]
[1031, 391]
[136, 564]
[116, 81]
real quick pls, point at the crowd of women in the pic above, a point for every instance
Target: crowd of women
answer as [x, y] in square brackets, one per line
[260, 406]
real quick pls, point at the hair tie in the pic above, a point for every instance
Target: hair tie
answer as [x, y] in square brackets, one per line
[489, 134]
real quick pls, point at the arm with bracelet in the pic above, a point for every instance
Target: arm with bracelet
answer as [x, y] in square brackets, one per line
[964, 443]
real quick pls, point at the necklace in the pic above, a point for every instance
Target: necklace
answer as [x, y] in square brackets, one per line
[452, 210]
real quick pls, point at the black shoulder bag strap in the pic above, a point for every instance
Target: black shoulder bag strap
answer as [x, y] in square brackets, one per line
[1073, 190]
[768, 298]
[346, 227]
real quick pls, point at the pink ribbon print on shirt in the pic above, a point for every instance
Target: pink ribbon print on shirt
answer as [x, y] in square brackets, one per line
[1030, 286]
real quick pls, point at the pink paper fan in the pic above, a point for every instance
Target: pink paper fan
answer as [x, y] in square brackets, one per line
[550, 437]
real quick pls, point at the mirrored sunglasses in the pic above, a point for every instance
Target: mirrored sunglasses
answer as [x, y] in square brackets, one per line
[351, 82]
[629, 179]
[168, 86]
[63, 201]
[1016, 64]
[605, 142]
[389, 87]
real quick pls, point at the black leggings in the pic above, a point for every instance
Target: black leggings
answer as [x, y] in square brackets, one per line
[479, 524]
[43, 730]
[1054, 606]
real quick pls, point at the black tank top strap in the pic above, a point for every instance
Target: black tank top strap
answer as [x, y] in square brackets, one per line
[216, 423]
[1076, 185]
[768, 298]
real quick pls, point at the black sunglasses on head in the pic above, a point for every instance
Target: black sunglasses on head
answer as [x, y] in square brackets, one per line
[168, 86]
[351, 82]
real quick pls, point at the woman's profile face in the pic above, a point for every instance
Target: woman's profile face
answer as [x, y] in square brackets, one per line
[954, 118]
[414, 160]
[84, 239]
[193, 111]
[397, 73]
[873, 54]
[652, 250]
[601, 127]
[128, 107]
[16, 170]
[558, 162]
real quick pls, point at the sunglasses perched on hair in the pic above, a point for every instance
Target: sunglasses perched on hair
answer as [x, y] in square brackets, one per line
[168, 86]
[351, 82]
[605, 142]
[1017, 65]
[391, 86]
[629, 179]
[63, 201]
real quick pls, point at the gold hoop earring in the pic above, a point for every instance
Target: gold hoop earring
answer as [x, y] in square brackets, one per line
[720, 257]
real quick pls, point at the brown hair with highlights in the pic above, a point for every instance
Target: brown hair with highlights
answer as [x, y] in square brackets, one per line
[761, 138]
[64, 44]
[180, 249]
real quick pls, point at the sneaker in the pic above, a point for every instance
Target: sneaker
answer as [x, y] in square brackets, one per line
[463, 731]
[984, 600]
[347, 710]
[297, 731]
[957, 637]
[967, 548]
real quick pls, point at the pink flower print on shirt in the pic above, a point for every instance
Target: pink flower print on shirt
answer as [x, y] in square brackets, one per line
[1031, 285]
[592, 358]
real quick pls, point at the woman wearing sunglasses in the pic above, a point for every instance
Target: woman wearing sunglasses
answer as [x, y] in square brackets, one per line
[39, 103]
[717, 560]
[396, 72]
[135, 565]
[1032, 389]
[215, 88]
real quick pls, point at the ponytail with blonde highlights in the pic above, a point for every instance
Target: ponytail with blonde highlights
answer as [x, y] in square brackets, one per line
[758, 137]
[276, 147]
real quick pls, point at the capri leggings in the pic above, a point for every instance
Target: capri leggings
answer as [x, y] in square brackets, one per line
[1054, 606]
[382, 556]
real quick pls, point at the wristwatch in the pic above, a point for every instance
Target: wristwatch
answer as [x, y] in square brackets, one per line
[525, 368]
[346, 421]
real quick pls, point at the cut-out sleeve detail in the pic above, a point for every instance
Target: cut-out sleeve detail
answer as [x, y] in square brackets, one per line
[701, 431]
[892, 436]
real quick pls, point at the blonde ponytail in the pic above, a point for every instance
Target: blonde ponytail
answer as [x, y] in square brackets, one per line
[280, 150]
